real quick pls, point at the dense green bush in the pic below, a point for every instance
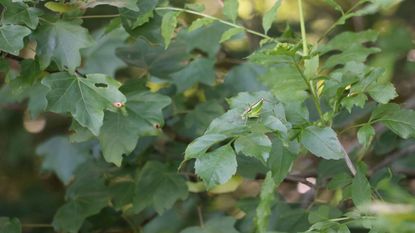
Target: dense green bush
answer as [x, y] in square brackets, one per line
[166, 116]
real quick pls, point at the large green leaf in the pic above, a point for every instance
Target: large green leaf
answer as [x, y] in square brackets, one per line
[198, 119]
[18, 12]
[101, 58]
[216, 167]
[61, 157]
[198, 147]
[158, 186]
[85, 98]
[200, 70]
[61, 42]
[8, 225]
[400, 121]
[254, 145]
[121, 130]
[11, 38]
[216, 225]
[322, 142]
[267, 198]
[154, 59]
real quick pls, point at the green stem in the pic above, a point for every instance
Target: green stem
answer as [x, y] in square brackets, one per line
[303, 31]
[216, 19]
[309, 83]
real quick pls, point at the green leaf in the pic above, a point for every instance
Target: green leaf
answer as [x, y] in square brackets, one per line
[400, 121]
[244, 78]
[335, 5]
[198, 147]
[61, 157]
[121, 130]
[200, 22]
[129, 4]
[269, 16]
[11, 38]
[230, 9]
[158, 186]
[361, 191]
[201, 70]
[101, 58]
[132, 18]
[60, 42]
[383, 93]
[153, 58]
[168, 25]
[365, 134]
[85, 98]
[8, 225]
[230, 33]
[267, 198]
[350, 45]
[322, 142]
[216, 225]
[323, 213]
[286, 83]
[206, 38]
[17, 13]
[60, 7]
[216, 167]
[254, 145]
[87, 196]
[280, 161]
[198, 119]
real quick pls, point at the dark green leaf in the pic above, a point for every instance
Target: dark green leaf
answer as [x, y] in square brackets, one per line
[200, 70]
[199, 146]
[322, 142]
[280, 161]
[216, 225]
[11, 38]
[101, 58]
[365, 134]
[18, 12]
[158, 186]
[121, 130]
[61, 157]
[85, 98]
[132, 18]
[60, 42]
[154, 59]
[400, 121]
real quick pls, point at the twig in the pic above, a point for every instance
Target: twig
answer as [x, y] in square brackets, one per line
[200, 215]
[37, 225]
[392, 158]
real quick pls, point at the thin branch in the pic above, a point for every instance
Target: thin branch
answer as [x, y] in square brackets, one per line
[216, 19]
[200, 215]
[37, 225]
[392, 158]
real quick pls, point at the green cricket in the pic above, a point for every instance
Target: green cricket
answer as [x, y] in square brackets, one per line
[254, 110]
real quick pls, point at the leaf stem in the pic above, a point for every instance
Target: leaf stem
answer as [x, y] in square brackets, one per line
[303, 30]
[98, 16]
[37, 225]
[216, 19]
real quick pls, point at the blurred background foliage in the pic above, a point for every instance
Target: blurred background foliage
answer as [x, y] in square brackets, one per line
[31, 192]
